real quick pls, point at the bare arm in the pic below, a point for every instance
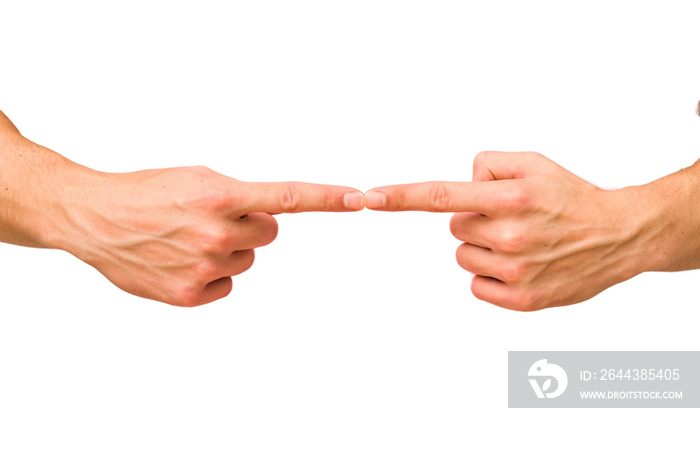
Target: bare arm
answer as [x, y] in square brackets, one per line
[537, 236]
[32, 179]
[175, 235]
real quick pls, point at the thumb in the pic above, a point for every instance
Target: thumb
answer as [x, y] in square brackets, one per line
[491, 165]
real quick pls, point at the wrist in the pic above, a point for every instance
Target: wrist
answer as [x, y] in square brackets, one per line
[55, 189]
[678, 218]
[67, 227]
[626, 222]
[32, 184]
[665, 224]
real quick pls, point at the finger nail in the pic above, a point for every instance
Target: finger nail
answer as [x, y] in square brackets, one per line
[354, 201]
[375, 200]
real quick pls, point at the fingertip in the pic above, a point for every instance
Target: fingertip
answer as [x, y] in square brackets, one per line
[354, 200]
[375, 199]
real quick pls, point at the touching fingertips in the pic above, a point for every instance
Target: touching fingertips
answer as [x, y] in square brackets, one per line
[354, 201]
[375, 200]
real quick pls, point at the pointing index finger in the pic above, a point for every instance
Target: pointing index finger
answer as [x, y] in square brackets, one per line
[441, 196]
[294, 196]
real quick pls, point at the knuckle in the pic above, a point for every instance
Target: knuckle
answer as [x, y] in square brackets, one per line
[481, 157]
[477, 290]
[290, 198]
[201, 170]
[532, 154]
[483, 160]
[226, 289]
[210, 197]
[527, 301]
[456, 225]
[186, 296]
[517, 198]
[512, 272]
[461, 255]
[466, 260]
[247, 259]
[206, 269]
[331, 201]
[261, 230]
[463, 224]
[218, 197]
[439, 198]
[270, 230]
[510, 240]
[216, 241]
[396, 198]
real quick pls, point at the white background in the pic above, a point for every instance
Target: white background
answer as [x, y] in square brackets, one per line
[354, 339]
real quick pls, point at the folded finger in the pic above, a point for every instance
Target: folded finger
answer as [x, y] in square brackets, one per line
[237, 263]
[478, 260]
[254, 230]
[471, 228]
[503, 295]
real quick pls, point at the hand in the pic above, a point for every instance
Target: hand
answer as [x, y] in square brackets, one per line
[534, 234]
[177, 235]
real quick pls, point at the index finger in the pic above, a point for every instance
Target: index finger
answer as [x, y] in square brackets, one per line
[488, 197]
[294, 196]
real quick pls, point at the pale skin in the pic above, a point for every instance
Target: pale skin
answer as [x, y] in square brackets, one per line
[175, 235]
[534, 235]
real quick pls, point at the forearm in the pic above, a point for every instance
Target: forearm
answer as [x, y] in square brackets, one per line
[669, 210]
[34, 182]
